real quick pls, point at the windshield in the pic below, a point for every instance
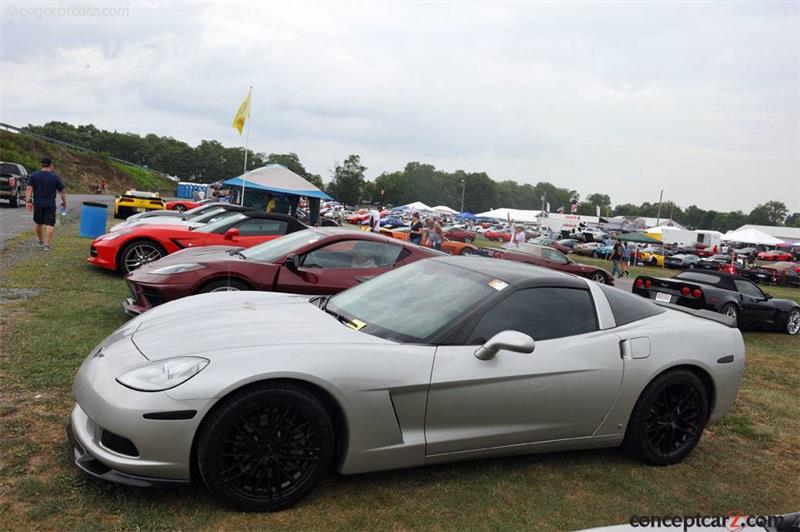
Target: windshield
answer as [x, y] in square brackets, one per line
[280, 247]
[200, 210]
[215, 226]
[213, 215]
[414, 302]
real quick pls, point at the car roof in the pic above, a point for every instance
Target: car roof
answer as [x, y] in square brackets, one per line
[513, 272]
[363, 235]
[721, 275]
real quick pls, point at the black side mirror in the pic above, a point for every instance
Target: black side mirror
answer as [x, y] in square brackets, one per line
[767, 296]
[293, 262]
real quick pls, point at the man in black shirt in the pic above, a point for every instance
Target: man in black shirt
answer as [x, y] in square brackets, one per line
[43, 185]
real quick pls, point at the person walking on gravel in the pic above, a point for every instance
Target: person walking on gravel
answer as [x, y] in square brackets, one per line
[40, 197]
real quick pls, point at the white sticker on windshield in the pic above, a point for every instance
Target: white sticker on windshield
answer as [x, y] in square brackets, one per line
[497, 284]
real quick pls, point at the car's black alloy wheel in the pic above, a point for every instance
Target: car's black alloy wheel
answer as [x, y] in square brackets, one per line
[180, 208]
[598, 277]
[265, 448]
[668, 419]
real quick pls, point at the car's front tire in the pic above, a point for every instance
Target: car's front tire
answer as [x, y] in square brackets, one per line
[266, 447]
[180, 207]
[468, 239]
[224, 285]
[668, 419]
[137, 254]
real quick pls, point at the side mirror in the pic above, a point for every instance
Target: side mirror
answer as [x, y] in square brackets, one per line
[508, 340]
[768, 296]
[231, 233]
[293, 262]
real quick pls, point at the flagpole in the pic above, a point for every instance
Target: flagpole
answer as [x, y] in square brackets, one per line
[246, 143]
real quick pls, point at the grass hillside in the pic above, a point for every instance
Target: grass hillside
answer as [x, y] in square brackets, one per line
[81, 171]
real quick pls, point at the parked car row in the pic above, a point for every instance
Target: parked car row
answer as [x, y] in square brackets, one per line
[364, 338]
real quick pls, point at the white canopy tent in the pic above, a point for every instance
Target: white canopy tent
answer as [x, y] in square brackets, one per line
[416, 206]
[516, 215]
[751, 236]
[445, 209]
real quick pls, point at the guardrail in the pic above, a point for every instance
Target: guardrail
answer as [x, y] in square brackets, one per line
[83, 149]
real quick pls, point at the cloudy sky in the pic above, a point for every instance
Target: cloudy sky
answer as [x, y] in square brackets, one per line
[701, 99]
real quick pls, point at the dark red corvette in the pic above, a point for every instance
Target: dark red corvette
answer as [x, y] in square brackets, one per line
[314, 261]
[552, 259]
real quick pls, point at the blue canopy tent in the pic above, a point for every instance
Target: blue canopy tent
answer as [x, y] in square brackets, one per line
[277, 180]
[466, 215]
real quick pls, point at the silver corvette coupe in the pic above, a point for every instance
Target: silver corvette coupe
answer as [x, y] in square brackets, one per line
[257, 395]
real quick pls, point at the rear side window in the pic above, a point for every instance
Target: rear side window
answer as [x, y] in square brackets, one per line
[541, 313]
[262, 227]
[628, 307]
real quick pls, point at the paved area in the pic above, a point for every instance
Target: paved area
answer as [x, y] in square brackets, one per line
[14, 221]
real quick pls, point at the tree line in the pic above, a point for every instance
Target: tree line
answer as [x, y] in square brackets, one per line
[461, 190]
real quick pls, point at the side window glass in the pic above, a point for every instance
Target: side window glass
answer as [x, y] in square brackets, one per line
[355, 254]
[542, 313]
[748, 289]
[259, 227]
[553, 255]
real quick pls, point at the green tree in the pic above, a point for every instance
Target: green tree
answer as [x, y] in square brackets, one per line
[348, 180]
[769, 213]
[599, 199]
[793, 220]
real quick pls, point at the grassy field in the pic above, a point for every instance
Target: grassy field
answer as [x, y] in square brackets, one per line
[748, 462]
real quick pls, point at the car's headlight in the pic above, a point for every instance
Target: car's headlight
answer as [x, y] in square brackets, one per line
[177, 268]
[162, 374]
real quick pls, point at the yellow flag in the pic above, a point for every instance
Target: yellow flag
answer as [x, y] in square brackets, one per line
[243, 113]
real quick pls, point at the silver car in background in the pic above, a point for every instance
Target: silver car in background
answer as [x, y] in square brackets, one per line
[258, 394]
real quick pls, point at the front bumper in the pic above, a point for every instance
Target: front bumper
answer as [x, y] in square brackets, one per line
[102, 256]
[107, 413]
[94, 467]
[157, 290]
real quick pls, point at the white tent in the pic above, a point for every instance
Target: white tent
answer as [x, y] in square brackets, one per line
[445, 209]
[417, 206]
[751, 236]
[516, 215]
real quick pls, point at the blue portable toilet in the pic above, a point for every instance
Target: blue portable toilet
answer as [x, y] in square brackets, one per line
[93, 219]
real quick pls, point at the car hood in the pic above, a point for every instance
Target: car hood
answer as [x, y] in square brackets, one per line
[204, 254]
[209, 325]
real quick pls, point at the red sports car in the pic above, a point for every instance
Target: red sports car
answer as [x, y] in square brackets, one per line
[314, 261]
[128, 249]
[185, 205]
[550, 258]
[461, 234]
[775, 254]
[500, 236]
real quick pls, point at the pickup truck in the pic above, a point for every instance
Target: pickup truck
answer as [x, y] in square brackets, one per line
[13, 181]
[732, 295]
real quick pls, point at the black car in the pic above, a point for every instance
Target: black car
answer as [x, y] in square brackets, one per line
[682, 261]
[733, 295]
[13, 181]
[714, 262]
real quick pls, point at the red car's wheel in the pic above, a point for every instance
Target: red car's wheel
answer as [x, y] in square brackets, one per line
[180, 207]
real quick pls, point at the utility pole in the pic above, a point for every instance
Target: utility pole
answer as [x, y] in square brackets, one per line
[660, 197]
[463, 188]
